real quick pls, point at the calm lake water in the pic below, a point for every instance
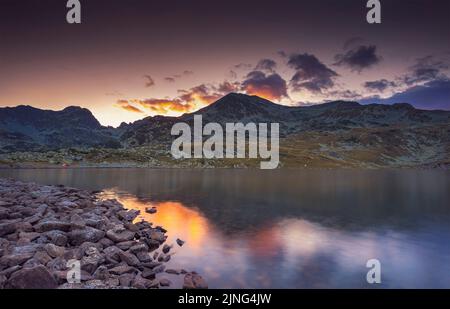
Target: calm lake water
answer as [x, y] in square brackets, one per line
[288, 228]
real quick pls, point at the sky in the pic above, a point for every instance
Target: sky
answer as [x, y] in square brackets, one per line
[136, 58]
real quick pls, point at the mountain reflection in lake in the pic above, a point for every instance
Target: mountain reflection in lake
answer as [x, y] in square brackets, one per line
[288, 228]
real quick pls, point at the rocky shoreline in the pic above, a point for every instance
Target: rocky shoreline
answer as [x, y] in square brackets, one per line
[62, 237]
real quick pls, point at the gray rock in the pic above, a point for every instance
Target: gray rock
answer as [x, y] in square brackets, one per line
[7, 228]
[52, 225]
[164, 282]
[118, 237]
[32, 278]
[129, 258]
[15, 259]
[123, 269]
[90, 234]
[194, 281]
[54, 250]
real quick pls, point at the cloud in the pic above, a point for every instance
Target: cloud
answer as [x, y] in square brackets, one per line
[431, 95]
[173, 78]
[267, 65]
[169, 79]
[358, 58]
[200, 95]
[243, 66]
[271, 87]
[311, 74]
[227, 87]
[124, 104]
[426, 69]
[379, 85]
[164, 106]
[343, 95]
[352, 42]
[149, 81]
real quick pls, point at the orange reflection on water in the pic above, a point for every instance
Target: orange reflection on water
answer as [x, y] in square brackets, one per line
[179, 220]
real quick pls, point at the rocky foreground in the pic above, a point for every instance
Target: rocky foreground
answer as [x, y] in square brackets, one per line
[47, 230]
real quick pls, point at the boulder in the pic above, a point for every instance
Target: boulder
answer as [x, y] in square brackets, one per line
[194, 281]
[32, 278]
[118, 237]
[52, 225]
[90, 234]
[123, 269]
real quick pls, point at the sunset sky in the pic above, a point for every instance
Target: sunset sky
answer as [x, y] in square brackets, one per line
[129, 59]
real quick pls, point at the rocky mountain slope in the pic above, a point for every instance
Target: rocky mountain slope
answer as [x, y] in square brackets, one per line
[335, 134]
[25, 128]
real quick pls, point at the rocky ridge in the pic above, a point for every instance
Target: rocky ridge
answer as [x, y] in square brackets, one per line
[45, 229]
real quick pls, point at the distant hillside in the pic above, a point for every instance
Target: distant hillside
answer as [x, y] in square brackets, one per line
[25, 128]
[335, 134]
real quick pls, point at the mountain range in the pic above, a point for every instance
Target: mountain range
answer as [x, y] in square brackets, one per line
[333, 134]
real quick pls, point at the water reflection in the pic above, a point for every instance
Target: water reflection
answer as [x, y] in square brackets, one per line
[289, 229]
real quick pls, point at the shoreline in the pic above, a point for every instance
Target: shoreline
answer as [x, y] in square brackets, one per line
[45, 230]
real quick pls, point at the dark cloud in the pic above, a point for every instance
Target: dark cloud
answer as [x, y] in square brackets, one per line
[352, 42]
[169, 79]
[188, 72]
[149, 81]
[227, 87]
[271, 86]
[426, 69]
[358, 58]
[243, 66]
[282, 54]
[431, 95]
[267, 65]
[311, 75]
[379, 85]
[343, 95]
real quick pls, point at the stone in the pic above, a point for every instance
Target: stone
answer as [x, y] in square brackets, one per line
[90, 234]
[106, 242]
[138, 248]
[125, 280]
[129, 258]
[32, 278]
[121, 236]
[180, 242]
[7, 228]
[166, 248]
[122, 269]
[141, 283]
[125, 245]
[144, 256]
[42, 257]
[7, 272]
[172, 271]
[164, 282]
[3, 280]
[57, 238]
[148, 274]
[194, 281]
[54, 250]
[151, 210]
[93, 259]
[15, 259]
[52, 225]
[158, 236]
[101, 273]
[128, 215]
[58, 263]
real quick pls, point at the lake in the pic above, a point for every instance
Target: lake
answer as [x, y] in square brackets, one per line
[288, 228]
